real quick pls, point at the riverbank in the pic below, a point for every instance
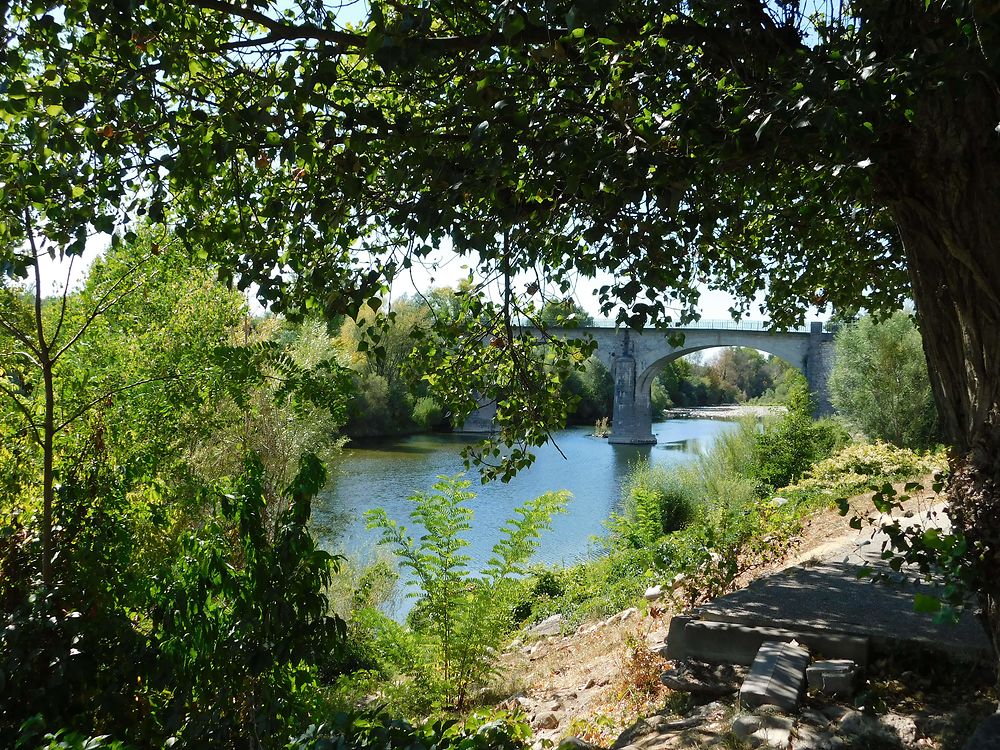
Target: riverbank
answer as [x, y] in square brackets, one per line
[726, 411]
[601, 683]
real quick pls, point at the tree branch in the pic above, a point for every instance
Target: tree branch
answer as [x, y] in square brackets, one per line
[113, 392]
[15, 399]
[62, 304]
[43, 349]
[101, 307]
[21, 337]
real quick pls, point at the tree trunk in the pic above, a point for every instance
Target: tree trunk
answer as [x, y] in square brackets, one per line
[48, 478]
[943, 188]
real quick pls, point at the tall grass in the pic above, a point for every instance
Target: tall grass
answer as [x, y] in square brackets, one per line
[657, 500]
[725, 473]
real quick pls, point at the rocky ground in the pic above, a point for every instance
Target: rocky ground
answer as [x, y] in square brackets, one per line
[600, 686]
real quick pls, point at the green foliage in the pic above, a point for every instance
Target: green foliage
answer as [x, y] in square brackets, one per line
[589, 590]
[70, 654]
[565, 313]
[213, 640]
[855, 467]
[785, 450]
[656, 501]
[427, 413]
[64, 740]
[464, 617]
[388, 398]
[239, 620]
[880, 384]
[592, 390]
[737, 374]
[727, 538]
[689, 382]
[383, 732]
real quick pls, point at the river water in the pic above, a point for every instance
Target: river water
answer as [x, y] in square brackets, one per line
[387, 473]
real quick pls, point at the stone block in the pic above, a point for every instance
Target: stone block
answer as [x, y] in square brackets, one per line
[832, 676]
[732, 643]
[548, 627]
[676, 648]
[777, 676]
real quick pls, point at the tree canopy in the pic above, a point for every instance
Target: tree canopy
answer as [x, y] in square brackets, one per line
[811, 152]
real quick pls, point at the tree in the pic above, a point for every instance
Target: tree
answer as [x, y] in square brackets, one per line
[834, 155]
[744, 368]
[45, 394]
[564, 313]
[879, 381]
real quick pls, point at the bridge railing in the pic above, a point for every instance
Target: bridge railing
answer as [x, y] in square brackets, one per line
[720, 325]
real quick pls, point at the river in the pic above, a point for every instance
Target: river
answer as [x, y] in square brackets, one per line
[387, 473]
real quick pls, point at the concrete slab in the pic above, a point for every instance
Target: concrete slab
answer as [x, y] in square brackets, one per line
[777, 677]
[733, 643]
[676, 647]
[826, 596]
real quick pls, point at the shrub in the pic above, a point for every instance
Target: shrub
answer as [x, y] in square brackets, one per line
[856, 467]
[382, 732]
[66, 740]
[214, 646]
[876, 460]
[786, 449]
[722, 543]
[655, 502]
[69, 653]
[463, 617]
[240, 622]
[427, 413]
[879, 381]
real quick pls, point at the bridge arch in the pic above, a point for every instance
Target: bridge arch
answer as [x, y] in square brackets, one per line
[636, 357]
[644, 380]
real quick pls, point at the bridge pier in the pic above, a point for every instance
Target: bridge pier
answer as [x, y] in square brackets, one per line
[631, 418]
[819, 363]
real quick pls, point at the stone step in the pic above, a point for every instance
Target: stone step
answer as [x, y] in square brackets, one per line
[833, 676]
[777, 676]
[732, 643]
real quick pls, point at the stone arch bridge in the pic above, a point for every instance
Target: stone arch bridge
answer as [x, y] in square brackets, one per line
[635, 357]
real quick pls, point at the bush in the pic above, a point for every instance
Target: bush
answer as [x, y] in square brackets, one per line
[876, 460]
[214, 645]
[382, 732]
[879, 381]
[463, 617]
[707, 557]
[856, 467]
[427, 413]
[65, 740]
[785, 450]
[70, 655]
[240, 622]
[656, 501]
